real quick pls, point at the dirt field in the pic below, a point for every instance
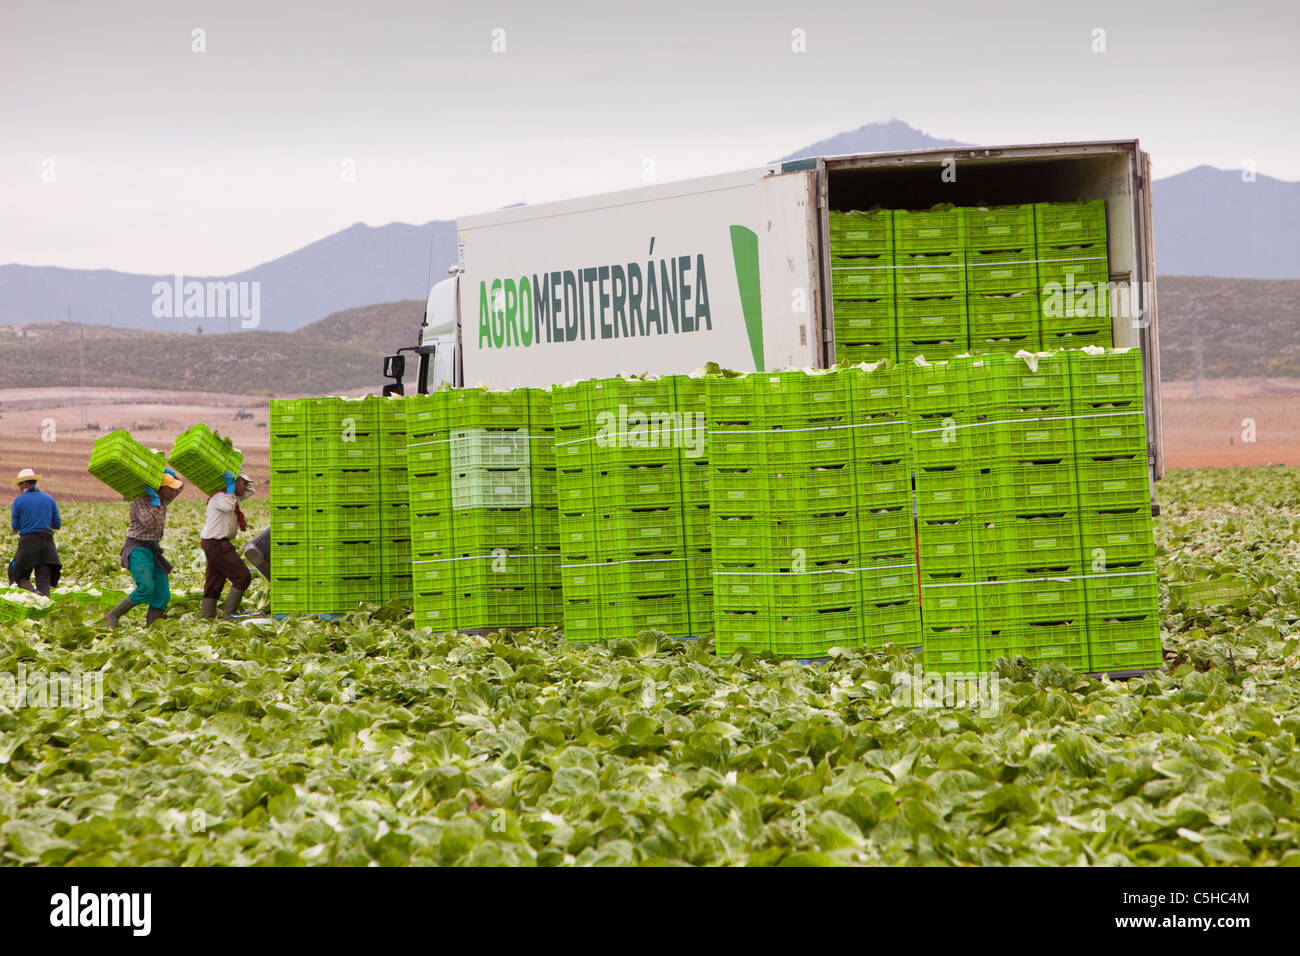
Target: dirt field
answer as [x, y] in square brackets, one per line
[1211, 428]
[1203, 427]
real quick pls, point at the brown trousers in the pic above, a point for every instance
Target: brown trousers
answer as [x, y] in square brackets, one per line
[224, 564]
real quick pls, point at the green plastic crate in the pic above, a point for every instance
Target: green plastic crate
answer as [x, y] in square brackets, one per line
[1015, 388]
[749, 630]
[337, 417]
[1024, 440]
[290, 523]
[929, 231]
[882, 440]
[1061, 643]
[344, 523]
[938, 388]
[1014, 545]
[932, 318]
[1125, 644]
[861, 233]
[887, 531]
[472, 448]
[1072, 266]
[481, 488]
[290, 488]
[202, 458]
[947, 546]
[929, 274]
[953, 650]
[483, 531]
[342, 450]
[1114, 484]
[1016, 488]
[126, 466]
[887, 583]
[880, 392]
[886, 485]
[863, 278]
[1116, 538]
[950, 600]
[1000, 227]
[620, 580]
[288, 416]
[426, 415]
[1123, 594]
[1109, 380]
[892, 624]
[477, 574]
[1102, 434]
[800, 397]
[1002, 271]
[864, 320]
[484, 408]
[949, 492]
[1010, 316]
[1070, 223]
[1013, 604]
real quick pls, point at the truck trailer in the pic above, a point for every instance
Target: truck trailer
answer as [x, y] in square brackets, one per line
[736, 269]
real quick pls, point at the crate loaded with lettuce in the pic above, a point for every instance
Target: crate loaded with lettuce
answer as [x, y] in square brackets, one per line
[202, 457]
[126, 466]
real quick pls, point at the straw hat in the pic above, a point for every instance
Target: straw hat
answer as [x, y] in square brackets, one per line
[26, 475]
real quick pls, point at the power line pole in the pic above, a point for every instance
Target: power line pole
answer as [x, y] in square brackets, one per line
[81, 352]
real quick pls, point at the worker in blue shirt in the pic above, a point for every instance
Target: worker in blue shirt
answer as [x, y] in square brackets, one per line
[35, 518]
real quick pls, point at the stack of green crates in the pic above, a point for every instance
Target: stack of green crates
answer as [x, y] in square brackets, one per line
[622, 523]
[345, 506]
[946, 281]
[930, 283]
[1117, 549]
[483, 554]
[783, 502]
[126, 466]
[547, 582]
[327, 528]
[1002, 290]
[428, 482]
[862, 285]
[1073, 273]
[692, 405]
[202, 458]
[394, 501]
[947, 510]
[883, 465]
[1027, 544]
[1033, 504]
[574, 433]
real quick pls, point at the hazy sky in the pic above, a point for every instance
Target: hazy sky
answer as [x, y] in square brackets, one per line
[167, 159]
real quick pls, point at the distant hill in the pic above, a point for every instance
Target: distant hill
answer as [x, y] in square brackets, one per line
[1207, 222]
[356, 267]
[1239, 328]
[873, 138]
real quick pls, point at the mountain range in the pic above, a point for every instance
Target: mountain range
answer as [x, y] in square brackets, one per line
[1208, 222]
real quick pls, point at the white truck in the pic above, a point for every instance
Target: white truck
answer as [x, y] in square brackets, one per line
[735, 269]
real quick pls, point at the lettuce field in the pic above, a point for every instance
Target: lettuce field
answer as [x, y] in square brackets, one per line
[362, 740]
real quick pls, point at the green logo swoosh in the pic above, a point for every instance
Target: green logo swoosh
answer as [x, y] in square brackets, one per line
[744, 249]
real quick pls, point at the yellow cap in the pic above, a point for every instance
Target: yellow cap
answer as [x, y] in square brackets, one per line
[169, 482]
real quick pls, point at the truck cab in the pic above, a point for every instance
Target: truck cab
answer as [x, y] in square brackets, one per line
[436, 359]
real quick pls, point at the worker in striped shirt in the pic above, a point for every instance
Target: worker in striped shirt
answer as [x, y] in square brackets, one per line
[142, 553]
